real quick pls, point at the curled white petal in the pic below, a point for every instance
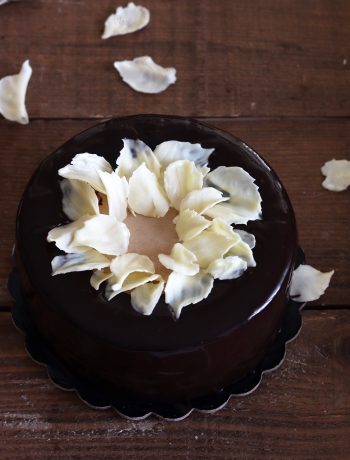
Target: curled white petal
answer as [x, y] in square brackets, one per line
[99, 276]
[117, 194]
[202, 200]
[337, 174]
[144, 298]
[146, 196]
[308, 284]
[103, 233]
[124, 265]
[180, 260]
[180, 178]
[170, 151]
[86, 167]
[247, 238]
[126, 20]
[189, 224]
[145, 76]
[79, 199]
[227, 268]
[245, 199]
[244, 251]
[13, 89]
[63, 236]
[89, 260]
[182, 290]
[133, 154]
[133, 281]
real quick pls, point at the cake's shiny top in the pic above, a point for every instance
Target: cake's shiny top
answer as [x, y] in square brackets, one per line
[230, 303]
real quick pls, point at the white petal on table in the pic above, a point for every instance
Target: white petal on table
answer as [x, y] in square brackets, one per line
[337, 174]
[180, 260]
[133, 154]
[245, 200]
[126, 20]
[227, 268]
[68, 263]
[79, 199]
[308, 284]
[170, 151]
[13, 89]
[63, 236]
[146, 197]
[117, 189]
[180, 178]
[86, 167]
[202, 200]
[145, 76]
[189, 224]
[144, 298]
[181, 290]
[105, 234]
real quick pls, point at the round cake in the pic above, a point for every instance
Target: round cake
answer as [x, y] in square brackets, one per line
[158, 357]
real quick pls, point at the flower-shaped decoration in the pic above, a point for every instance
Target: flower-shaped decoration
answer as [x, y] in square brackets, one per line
[149, 182]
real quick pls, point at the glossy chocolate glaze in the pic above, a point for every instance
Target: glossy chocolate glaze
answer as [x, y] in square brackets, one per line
[155, 358]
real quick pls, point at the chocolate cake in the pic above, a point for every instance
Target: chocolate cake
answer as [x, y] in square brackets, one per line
[156, 358]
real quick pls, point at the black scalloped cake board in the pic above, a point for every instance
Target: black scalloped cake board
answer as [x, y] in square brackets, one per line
[63, 378]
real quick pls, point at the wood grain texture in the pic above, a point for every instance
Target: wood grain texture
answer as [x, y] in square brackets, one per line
[296, 149]
[233, 58]
[300, 411]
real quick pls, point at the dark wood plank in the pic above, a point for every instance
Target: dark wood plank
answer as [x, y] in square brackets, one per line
[300, 411]
[295, 149]
[234, 58]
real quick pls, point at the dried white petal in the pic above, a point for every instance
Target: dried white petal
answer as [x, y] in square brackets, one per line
[126, 20]
[146, 196]
[13, 90]
[117, 194]
[337, 174]
[182, 290]
[308, 283]
[190, 224]
[245, 199]
[103, 233]
[124, 265]
[180, 178]
[86, 167]
[99, 276]
[201, 200]
[63, 236]
[181, 260]
[170, 151]
[144, 298]
[247, 238]
[78, 262]
[145, 76]
[133, 154]
[79, 199]
[227, 268]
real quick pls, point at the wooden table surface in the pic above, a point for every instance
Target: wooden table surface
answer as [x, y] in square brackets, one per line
[275, 73]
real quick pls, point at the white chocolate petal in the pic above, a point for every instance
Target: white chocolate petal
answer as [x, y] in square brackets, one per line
[79, 199]
[133, 154]
[245, 199]
[86, 167]
[132, 281]
[98, 277]
[144, 298]
[181, 290]
[201, 200]
[145, 76]
[209, 246]
[189, 224]
[337, 174]
[308, 284]
[103, 233]
[220, 227]
[13, 90]
[180, 260]
[124, 265]
[243, 250]
[117, 189]
[126, 20]
[180, 178]
[63, 236]
[146, 196]
[89, 260]
[246, 237]
[227, 268]
[170, 151]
